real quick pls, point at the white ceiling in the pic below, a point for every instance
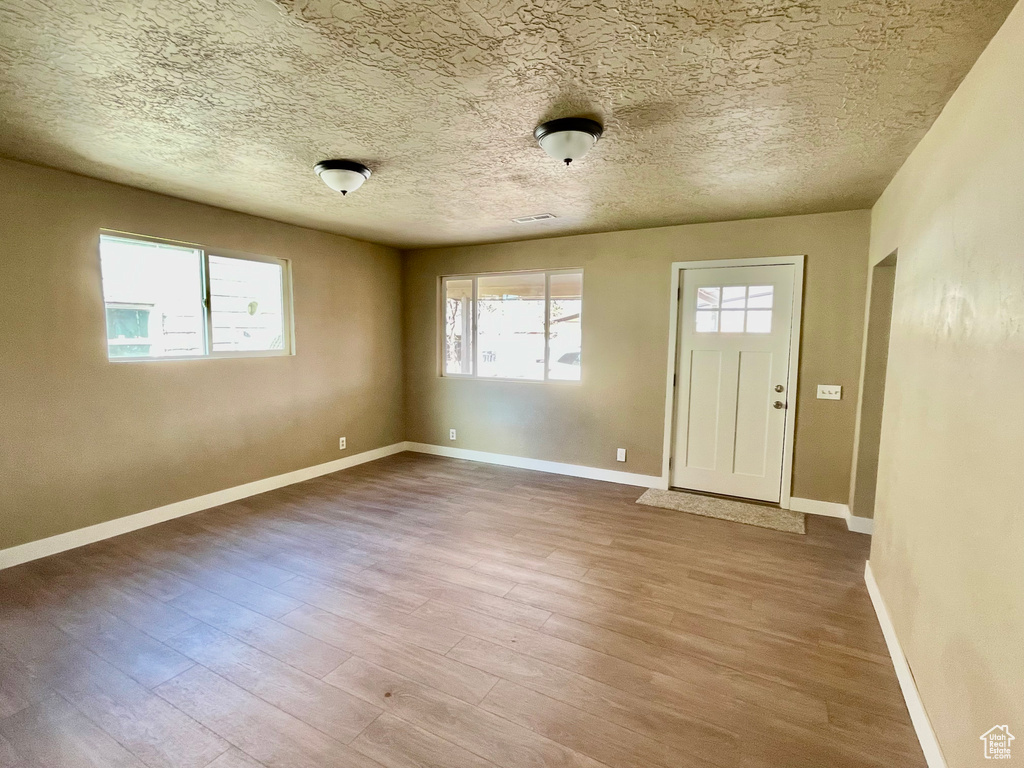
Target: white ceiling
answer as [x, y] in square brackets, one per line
[713, 111]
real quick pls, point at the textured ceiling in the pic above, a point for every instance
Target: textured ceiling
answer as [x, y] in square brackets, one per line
[713, 110]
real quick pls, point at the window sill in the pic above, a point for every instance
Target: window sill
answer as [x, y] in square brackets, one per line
[214, 356]
[461, 377]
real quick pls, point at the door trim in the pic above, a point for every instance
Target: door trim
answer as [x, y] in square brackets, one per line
[794, 357]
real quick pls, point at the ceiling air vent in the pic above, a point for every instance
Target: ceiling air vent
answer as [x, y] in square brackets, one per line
[535, 217]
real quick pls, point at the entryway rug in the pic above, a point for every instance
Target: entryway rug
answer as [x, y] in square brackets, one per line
[726, 509]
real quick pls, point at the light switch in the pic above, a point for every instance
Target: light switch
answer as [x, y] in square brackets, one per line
[830, 392]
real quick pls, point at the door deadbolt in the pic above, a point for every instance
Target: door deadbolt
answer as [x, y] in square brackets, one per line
[778, 404]
[779, 387]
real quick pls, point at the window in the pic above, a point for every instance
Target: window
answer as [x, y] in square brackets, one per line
[127, 330]
[513, 325]
[166, 300]
[458, 326]
[734, 309]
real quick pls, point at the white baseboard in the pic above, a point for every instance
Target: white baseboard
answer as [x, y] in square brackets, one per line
[815, 507]
[554, 467]
[832, 509]
[918, 714]
[860, 524]
[33, 550]
[809, 506]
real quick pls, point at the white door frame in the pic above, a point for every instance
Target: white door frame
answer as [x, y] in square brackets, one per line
[794, 358]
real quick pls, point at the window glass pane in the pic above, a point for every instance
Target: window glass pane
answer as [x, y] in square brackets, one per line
[707, 298]
[759, 321]
[458, 329]
[707, 322]
[153, 297]
[246, 305]
[734, 297]
[760, 296]
[566, 292]
[732, 321]
[510, 326]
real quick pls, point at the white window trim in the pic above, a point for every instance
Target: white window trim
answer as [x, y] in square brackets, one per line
[204, 254]
[475, 276]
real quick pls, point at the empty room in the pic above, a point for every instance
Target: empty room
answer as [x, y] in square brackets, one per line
[412, 384]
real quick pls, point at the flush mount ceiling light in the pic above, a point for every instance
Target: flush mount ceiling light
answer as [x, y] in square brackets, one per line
[568, 138]
[342, 175]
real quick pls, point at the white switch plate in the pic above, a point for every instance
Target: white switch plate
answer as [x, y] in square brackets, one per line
[620, 454]
[451, 434]
[830, 392]
[341, 443]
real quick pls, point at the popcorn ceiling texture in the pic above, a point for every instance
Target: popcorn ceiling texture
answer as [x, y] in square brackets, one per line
[713, 110]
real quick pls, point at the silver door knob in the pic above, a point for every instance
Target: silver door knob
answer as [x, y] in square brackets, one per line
[779, 387]
[778, 404]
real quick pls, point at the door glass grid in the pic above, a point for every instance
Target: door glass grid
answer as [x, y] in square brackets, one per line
[734, 309]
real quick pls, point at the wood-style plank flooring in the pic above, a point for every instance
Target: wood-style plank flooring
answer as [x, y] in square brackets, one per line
[420, 611]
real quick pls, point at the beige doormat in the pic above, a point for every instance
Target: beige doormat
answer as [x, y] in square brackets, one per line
[726, 509]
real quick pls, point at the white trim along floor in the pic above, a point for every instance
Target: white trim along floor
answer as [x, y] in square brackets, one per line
[915, 705]
[34, 550]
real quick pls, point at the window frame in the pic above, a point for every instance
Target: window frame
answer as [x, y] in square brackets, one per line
[205, 299]
[474, 277]
[720, 311]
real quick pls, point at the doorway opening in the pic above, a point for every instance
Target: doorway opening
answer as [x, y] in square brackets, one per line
[876, 358]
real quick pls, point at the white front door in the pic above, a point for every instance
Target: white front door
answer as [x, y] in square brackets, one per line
[733, 375]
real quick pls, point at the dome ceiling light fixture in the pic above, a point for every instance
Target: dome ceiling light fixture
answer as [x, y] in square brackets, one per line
[568, 138]
[342, 175]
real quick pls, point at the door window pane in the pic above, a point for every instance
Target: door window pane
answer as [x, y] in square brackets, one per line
[760, 296]
[153, 297]
[759, 321]
[734, 296]
[743, 309]
[707, 322]
[564, 344]
[732, 321]
[510, 326]
[458, 326]
[707, 298]
[246, 305]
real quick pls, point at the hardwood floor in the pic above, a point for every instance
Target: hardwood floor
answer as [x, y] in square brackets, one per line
[420, 611]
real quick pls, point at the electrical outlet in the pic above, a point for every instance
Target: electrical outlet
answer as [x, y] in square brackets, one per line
[830, 392]
[341, 443]
[620, 454]
[451, 434]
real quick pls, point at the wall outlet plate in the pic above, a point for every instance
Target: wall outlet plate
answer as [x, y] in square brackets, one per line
[620, 454]
[341, 443]
[451, 434]
[830, 392]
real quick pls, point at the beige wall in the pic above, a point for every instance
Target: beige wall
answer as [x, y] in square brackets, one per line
[83, 440]
[948, 550]
[621, 400]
